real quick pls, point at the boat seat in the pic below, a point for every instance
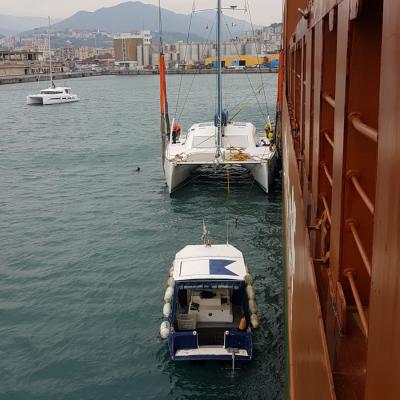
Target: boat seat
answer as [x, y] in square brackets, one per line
[186, 322]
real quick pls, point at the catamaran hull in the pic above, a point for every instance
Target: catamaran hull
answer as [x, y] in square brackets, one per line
[263, 173]
[48, 100]
[177, 173]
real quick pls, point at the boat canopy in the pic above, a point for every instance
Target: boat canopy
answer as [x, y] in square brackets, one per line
[201, 262]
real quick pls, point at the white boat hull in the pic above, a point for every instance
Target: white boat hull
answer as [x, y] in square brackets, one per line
[263, 173]
[177, 173]
[241, 145]
[50, 99]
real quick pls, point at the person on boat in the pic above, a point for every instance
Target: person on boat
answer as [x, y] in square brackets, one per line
[268, 131]
[176, 131]
[269, 134]
[242, 323]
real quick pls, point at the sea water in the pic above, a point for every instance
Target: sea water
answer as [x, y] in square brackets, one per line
[87, 242]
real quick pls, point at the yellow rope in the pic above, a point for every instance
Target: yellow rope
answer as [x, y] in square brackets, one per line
[237, 154]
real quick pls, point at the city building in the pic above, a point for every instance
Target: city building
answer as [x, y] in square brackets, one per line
[130, 49]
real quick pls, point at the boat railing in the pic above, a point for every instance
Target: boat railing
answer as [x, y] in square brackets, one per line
[360, 126]
[328, 137]
[360, 309]
[352, 177]
[352, 226]
[327, 173]
[326, 207]
[328, 99]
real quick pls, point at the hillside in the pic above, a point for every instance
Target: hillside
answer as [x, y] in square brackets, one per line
[130, 16]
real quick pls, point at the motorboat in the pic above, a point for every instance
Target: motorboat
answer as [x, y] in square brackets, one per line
[209, 304]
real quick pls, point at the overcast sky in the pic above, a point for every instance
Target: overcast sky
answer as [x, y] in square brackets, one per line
[263, 12]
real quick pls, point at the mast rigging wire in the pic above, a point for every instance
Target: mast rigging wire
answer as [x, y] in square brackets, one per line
[251, 85]
[259, 67]
[186, 48]
[194, 75]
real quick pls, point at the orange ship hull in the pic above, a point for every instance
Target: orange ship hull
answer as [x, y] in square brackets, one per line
[340, 129]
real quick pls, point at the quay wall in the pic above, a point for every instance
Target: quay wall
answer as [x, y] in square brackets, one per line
[68, 75]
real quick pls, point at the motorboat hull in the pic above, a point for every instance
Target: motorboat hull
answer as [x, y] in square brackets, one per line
[209, 305]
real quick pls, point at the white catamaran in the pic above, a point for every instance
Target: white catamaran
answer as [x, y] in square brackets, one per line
[53, 94]
[221, 143]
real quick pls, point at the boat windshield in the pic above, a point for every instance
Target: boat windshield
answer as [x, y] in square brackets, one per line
[235, 141]
[51, 92]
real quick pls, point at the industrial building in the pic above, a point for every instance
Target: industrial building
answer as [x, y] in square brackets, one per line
[238, 61]
[131, 49]
[17, 63]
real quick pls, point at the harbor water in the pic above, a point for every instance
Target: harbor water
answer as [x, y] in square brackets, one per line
[87, 242]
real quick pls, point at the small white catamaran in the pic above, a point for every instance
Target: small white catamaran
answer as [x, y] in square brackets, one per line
[53, 94]
[221, 143]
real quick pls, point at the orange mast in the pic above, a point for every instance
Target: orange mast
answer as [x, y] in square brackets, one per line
[164, 126]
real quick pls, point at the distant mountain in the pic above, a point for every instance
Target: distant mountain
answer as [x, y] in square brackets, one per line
[130, 16]
[10, 25]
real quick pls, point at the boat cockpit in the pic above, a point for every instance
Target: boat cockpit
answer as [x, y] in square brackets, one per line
[209, 312]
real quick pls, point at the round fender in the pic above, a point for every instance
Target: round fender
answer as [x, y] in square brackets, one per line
[164, 329]
[166, 310]
[250, 292]
[255, 322]
[168, 294]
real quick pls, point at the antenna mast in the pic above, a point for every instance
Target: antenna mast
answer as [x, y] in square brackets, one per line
[51, 69]
[219, 83]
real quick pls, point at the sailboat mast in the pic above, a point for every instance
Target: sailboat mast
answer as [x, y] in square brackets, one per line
[51, 69]
[219, 81]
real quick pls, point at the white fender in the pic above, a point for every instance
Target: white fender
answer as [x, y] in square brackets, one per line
[171, 271]
[252, 306]
[248, 279]
[164, 329]
[255, 322]
[170, 281]
[166, 309]
[250, 292]
[168, 294]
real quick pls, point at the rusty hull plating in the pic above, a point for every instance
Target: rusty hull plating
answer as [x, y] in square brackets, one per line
[341, 155]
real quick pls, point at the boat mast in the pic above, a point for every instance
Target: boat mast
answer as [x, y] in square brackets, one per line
[219, 83]
[51, 69]
[165, 127]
